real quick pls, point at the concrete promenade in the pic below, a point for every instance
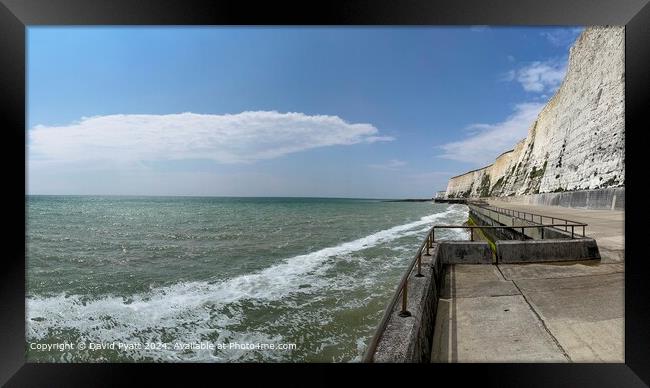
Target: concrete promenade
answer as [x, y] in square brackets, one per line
[555, 312]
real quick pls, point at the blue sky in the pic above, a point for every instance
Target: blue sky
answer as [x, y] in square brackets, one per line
[250, 111]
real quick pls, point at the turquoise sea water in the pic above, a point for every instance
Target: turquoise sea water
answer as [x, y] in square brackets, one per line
[312, 272]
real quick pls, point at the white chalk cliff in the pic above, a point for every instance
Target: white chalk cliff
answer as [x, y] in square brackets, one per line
[578, 139]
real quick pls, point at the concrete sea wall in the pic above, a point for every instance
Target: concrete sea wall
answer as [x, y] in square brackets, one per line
[611, 198]
[486, 216]
[534, 245]
[577, 142]
[408, 339]
[539, 251]
[465, 252]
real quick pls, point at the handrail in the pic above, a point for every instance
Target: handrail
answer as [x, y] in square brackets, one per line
[518, 214]
[522, 227]
[402, 289]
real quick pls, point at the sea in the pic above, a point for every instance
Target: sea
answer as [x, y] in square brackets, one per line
[216, 279]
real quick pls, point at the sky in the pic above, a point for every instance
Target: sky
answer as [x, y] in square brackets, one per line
[354, 112]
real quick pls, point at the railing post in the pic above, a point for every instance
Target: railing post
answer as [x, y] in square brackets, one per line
[523, 236]
[572, 230]
[471, 234]
[428, 243]
[566, 228]
[419, 274]
[542, 232]
[404, 313]
[583, 231]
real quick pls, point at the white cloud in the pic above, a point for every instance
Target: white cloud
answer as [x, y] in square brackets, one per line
[230, 138]
[538, 76]
[562, 37]
[545, 76]
[492, 139]
[393, 165]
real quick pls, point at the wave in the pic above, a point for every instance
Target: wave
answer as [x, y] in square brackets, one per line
[191, 310]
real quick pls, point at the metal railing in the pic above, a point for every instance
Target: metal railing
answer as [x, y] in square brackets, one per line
[517, 227]
[540, 217]
[402, 288]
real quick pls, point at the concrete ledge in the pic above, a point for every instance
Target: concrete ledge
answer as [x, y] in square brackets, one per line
[465, 252]
[485, 216]
[479, 216]
[532, 251]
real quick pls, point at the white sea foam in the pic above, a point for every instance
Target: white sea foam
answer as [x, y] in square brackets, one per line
[190, 310]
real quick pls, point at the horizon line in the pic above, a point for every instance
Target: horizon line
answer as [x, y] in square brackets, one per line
[214, 196]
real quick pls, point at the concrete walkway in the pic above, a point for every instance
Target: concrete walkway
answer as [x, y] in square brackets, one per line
[570, 312]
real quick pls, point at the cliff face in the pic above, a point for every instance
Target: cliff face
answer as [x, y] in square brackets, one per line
[578, 139]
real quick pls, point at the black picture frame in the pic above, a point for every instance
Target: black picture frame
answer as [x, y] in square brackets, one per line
[17, 15]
